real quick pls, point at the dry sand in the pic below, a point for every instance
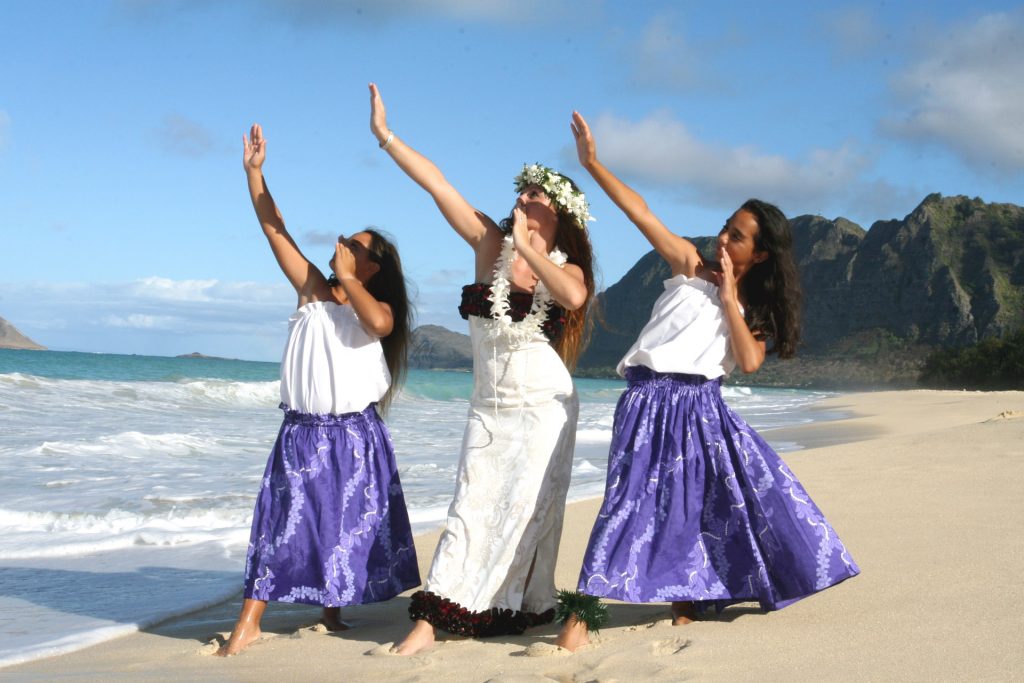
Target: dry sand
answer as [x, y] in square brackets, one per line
[925, 491]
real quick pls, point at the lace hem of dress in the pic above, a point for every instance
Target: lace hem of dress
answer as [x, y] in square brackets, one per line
[452, 617]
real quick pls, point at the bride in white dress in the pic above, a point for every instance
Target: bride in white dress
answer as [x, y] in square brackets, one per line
[493, 571]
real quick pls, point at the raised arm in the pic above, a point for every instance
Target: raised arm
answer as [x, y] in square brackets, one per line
[681, 255]
[472, 225]
[304, 276]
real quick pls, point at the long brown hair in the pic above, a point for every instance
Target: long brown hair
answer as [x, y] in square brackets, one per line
[574, 240]
[771, 288]
[388, 285]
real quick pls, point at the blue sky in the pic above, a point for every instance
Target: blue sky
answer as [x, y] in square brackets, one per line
[123, 210]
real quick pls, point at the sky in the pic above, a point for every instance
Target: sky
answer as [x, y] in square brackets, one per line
[127, 228]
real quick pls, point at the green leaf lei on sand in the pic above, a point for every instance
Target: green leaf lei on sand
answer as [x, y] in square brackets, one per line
[588, 609]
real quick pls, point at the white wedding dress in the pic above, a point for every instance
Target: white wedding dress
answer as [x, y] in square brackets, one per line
[505, 521]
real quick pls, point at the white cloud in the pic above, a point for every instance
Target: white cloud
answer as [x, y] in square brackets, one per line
[154, 315]
[322, 237]
[663, 57]
[162, 288]
[447, 278]
[854, 30]
[145, 322]
[182, 136]
[316, 11]
[966, 93]
[662, 150]
[326, 13]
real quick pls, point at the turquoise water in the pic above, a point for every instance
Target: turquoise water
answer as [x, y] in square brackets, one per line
[106, 366]
[436, 385]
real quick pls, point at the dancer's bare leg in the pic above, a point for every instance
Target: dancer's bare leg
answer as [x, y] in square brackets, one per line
[332, 619]
[420, 638]
[683, 613]
[246, 630]
[573, 635]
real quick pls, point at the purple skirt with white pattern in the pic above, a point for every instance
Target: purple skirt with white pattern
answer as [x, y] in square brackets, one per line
[330, 526]
[698, 507]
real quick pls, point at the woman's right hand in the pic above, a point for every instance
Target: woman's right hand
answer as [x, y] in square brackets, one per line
[344, 262]
[586, 149]
[378, 117]
[254, 149]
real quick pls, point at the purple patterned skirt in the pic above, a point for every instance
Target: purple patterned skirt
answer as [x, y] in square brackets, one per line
[698, 507]
[330, 526]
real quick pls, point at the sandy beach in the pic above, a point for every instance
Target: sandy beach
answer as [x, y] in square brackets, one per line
[923, 487]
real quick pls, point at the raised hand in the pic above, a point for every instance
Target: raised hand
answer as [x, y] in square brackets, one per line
[586, 150]
[378, 117]
[254, 148]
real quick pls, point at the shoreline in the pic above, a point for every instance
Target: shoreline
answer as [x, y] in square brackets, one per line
[928, 526]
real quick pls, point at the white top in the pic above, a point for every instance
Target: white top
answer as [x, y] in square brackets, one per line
[687, 332]
[331, 364]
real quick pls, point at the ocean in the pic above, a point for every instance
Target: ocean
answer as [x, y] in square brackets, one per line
[129, 481]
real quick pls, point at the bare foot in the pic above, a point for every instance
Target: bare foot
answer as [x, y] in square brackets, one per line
[420, 638]
[242, 637]
[573, 635]
[332, 619]
[683, 613]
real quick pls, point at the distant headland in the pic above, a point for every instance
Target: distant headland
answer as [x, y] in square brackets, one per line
[11, 338]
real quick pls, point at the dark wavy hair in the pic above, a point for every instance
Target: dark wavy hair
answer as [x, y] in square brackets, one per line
[574, 240]
[388, 285]
[771, 289]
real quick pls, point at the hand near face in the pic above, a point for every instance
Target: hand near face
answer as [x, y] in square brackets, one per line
[254, 148]
[726, 279]
[344, 262]
[586, 149]
[520, 235]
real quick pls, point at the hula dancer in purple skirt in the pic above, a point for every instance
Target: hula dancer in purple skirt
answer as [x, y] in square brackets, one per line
[698, 509]
[330, 526]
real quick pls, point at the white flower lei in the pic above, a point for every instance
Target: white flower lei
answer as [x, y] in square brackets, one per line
[501, 287]
[558, 189]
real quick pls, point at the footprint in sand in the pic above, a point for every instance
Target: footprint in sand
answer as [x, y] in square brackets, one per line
[652, 624]
[669, 646]
[387, 650]
[213, 643]
[1007, 415]
[382, 651]
[546, 650]
[216, 642]
[311, 630]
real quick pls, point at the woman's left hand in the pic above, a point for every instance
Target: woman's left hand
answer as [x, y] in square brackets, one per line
[344, 262]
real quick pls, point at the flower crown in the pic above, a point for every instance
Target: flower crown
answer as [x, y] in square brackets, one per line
[558, 189]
